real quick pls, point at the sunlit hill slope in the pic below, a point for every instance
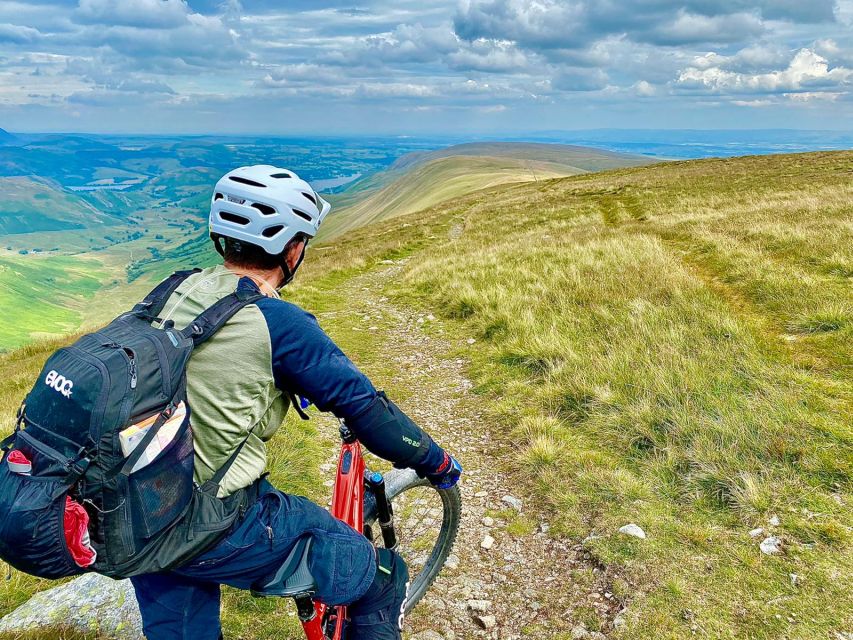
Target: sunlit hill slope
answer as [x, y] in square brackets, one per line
[420, 180]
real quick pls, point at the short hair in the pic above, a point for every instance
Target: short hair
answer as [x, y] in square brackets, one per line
[251, 256]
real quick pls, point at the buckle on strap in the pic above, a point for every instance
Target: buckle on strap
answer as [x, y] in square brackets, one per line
[78, 467]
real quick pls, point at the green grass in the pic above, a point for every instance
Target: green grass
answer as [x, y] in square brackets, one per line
[669, 346]
[44, 295]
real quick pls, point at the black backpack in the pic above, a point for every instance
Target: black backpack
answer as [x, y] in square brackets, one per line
[68, 428]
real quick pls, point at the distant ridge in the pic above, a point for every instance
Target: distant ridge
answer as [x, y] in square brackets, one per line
[423, 179]
[583, 158]
[7, 138]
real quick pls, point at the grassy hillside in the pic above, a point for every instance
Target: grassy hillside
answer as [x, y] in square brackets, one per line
[45, 295]
[426, 185]
[670, 346]
[423, 179]
[57, 210]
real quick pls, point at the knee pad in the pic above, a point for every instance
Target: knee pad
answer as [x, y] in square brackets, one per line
[378, 614]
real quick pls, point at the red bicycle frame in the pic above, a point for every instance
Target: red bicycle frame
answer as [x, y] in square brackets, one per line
[347, 505]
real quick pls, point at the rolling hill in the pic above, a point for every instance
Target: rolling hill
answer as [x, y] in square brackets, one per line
[668, 346]
[56, 209]
[580, 159]
[423, 179]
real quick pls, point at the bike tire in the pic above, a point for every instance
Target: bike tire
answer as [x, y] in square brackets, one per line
[397, 483]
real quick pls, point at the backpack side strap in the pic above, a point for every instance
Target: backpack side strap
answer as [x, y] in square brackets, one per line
[211, 319]
[153, 303]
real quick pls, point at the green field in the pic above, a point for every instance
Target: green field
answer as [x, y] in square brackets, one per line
[45, 295]
[672, 346]
[669, 345]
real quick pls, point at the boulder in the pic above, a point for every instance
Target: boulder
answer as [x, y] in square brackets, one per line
[89, 603]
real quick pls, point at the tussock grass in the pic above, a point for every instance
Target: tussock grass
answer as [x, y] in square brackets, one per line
[636, 334]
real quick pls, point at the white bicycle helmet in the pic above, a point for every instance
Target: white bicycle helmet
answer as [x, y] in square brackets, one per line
[265, 206]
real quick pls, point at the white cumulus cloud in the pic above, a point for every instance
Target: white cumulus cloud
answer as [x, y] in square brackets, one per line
[806, 71]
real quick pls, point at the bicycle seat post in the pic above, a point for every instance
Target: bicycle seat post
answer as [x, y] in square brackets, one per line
[346, 434]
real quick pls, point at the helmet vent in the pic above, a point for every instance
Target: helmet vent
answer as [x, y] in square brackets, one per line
[302, 215]
[269, 232]
[264, 208]
[281, 175]
[233, 218]
[311, 198]
[218, 196]
[246, 181]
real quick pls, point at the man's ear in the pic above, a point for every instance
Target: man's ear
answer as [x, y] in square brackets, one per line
[294, 252]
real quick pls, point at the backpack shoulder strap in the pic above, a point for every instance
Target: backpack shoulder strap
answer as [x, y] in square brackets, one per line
[154, 302]
[211, 319]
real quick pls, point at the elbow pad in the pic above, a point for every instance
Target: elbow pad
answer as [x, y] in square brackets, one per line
[390, 434]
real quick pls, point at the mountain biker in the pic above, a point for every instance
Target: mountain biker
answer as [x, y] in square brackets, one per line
[240, 384]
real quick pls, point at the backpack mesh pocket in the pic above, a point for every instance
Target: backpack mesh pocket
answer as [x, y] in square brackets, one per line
[160, 492]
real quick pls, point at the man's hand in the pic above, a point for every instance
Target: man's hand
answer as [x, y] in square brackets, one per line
[447, 474]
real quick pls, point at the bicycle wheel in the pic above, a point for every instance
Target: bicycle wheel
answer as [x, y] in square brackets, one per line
[426, 520]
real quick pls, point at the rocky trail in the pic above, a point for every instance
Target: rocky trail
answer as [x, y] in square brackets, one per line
[507, 577]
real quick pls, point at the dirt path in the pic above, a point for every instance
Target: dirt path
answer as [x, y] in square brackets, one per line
[526, 584]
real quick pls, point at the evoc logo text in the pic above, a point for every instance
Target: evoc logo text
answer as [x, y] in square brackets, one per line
[59, 382]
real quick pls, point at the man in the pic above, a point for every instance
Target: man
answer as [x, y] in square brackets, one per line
[261, 219]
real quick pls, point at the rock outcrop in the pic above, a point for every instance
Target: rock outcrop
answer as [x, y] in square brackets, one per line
[90, 603]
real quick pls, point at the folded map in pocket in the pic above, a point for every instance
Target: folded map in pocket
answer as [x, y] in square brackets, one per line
[133, 435]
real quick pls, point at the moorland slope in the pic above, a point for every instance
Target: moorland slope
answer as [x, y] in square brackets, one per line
[423, 179]
[668, 346]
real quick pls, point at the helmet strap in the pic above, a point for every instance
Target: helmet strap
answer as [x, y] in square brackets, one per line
[217, 242]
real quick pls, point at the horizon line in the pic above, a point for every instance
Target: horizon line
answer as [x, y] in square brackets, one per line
[548, 132]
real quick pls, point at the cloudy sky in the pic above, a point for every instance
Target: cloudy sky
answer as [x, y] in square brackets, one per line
[424, 66]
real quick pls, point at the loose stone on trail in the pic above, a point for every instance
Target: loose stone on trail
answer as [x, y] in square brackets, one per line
[486, 622]
[512, 501]
[633, 530]
[479, 606]
[771, 546]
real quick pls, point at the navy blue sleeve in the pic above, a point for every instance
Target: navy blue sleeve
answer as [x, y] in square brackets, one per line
[306, 361]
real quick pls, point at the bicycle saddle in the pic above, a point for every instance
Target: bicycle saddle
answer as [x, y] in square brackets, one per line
[291, 578]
